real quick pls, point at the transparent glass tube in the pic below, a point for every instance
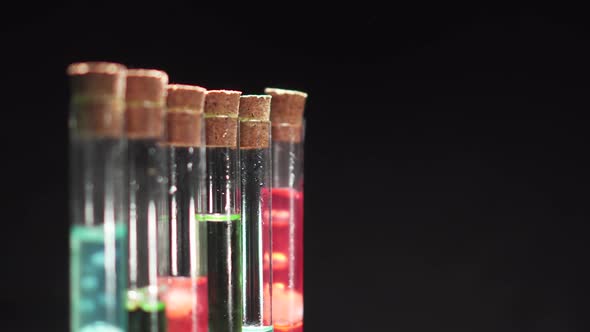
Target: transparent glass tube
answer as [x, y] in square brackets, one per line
[222, 217]
[255, 165]
[147, 201]
[148, 187]
[98, 198]
[186, 283]
[287, 229]
[223, 239]
[183, 274]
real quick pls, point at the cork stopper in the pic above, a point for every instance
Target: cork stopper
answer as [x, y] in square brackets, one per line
[185, 113]
[221, 118]
[97, 79]
[186, 97]
[255, 107]
[254, 113]
[97, 98]
[145, 98]
[222, 103]
[287, 114]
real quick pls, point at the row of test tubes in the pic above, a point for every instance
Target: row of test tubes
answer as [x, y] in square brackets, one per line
[186, 205]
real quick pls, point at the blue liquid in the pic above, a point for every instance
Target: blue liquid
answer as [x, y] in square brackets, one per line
[98, 278]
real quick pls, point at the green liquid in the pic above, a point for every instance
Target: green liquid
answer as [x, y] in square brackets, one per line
[146, 312]
[224, 271]
[98, 278]
[218, 217]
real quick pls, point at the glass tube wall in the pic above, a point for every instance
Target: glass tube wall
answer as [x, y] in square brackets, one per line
[183, 274]
[98, 197]
[255, 166]
[148, 187]
[288, 134]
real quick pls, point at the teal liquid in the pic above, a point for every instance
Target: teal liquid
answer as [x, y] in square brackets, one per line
[98, 278]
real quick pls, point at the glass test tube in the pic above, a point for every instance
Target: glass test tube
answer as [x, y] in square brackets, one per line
[98, 197]
[183, 276]
[255, 177]
[287, 108]
[148, 187]
[222, 217]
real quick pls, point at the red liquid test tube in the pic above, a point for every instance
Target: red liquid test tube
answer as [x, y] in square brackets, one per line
[287, 108]
[182, 243]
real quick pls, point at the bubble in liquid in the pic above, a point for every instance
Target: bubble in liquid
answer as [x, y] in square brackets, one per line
[172, 190]
[86, 305]
[88, 283]
[279, 261]
[97, 258]
[280, 217]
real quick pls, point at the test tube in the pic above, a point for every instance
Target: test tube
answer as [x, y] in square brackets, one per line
[145, 116]
[98, 197]
[222, 217]
[183, 274]
[287, 208]
[255, 177]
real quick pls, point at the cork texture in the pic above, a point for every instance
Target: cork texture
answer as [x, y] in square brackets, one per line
[221, 118]
[184, 129]
[254, 134]
[185, 115]
[221, 132]
[97, 98]
[254, 121]
[101, 118]
[146, 85]
[184, 96]
[222, 102]
[97, 79]
[145, 98]
[287, 108]
[255, 107]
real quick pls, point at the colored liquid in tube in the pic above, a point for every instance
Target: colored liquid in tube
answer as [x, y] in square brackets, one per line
[288, 133]
[222, 211]
[96, 258]
[223, 243]
[184, 310]
[287, 259]
[148, 195]
[184, 291]
[146, 313]
[97, 198]
[183, 281]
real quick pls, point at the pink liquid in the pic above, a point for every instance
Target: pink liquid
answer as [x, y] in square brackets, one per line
[287, 260]
[186, 303]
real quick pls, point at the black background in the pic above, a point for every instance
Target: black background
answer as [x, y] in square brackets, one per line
[446, 173]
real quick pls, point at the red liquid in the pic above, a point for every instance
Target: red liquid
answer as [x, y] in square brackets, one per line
[287, 263]
[186, 303]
